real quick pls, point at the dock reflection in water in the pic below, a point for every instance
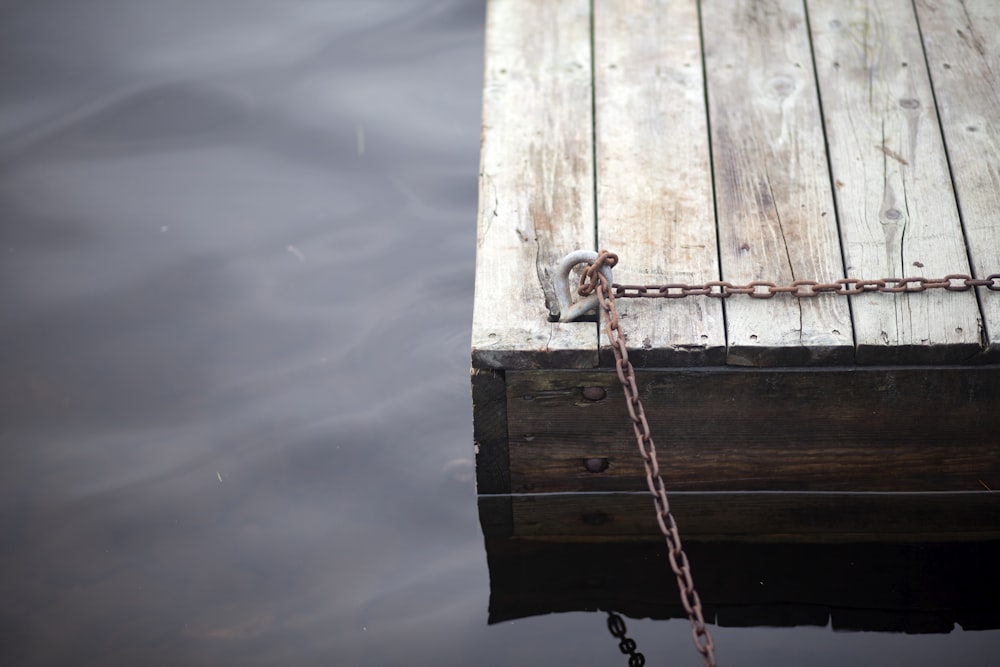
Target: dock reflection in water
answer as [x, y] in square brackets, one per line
[908, 588]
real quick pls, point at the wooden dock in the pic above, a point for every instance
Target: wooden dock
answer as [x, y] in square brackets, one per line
[742, 141]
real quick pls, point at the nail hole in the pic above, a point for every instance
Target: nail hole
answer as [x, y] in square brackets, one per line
[595, 518]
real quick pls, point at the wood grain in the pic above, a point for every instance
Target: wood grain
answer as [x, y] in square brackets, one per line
[897, 211]
[910, 429]
[536, 197]
[654, 180]
[962, 42]
[775, 209]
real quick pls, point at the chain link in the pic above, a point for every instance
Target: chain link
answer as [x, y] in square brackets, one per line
[593, 280]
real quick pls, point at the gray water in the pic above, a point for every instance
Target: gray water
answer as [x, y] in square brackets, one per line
[237, 247]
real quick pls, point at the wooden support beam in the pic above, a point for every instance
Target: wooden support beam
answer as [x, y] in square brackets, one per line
[759, 517]
[914, 429]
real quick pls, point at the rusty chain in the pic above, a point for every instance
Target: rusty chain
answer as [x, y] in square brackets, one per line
[803, 289]
[591, 281]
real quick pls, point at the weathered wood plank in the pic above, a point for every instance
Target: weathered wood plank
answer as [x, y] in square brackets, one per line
[654, 181]
[962, 42]
[895, 203]
[536, 198]
[775, 210]
[850, 429]
[791, 518]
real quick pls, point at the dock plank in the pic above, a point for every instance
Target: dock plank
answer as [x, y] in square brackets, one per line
[896, 207]
[536, 195]
[962, 43]
[775, 210]
[654, 179]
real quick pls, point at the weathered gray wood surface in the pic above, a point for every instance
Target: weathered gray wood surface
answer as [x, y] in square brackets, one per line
[536, 197]
[827, 161]
[654, 179]
[962, 42]
[897, 210]
[775, 211]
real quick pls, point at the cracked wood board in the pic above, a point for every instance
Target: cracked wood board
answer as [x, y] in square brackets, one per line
[962, 42]
[897, 210]
[775, 210]
[536, 183]
[654, 180]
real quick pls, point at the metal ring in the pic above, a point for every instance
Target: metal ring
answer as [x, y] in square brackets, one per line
[568, 309]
